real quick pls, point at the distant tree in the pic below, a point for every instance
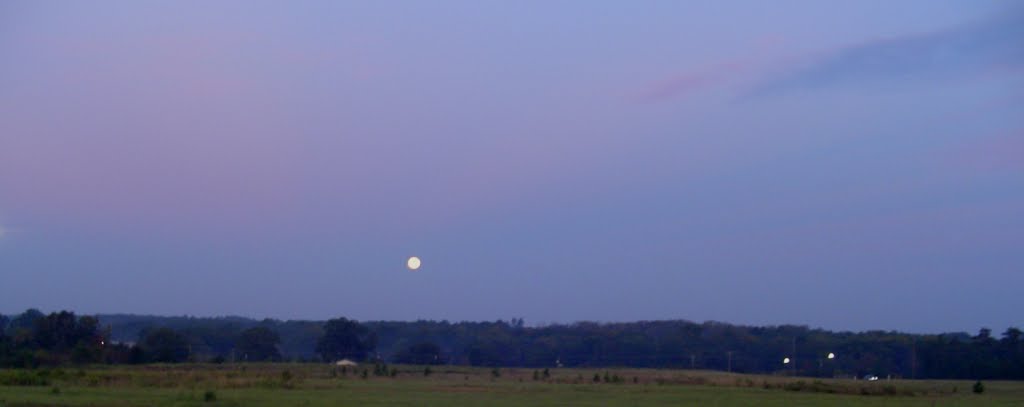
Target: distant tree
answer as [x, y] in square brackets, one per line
[425, 353]
[344, 338]
[62, 331]
[24, 321]
[136, 355]
[978, 387]
[165, 345]
[258, 344]
[4, 320]
[1012, 335]
[984, 334]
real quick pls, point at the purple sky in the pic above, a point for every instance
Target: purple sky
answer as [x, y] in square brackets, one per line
[849, 165]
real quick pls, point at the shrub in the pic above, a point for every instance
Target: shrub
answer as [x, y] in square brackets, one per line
[978, 387]
[23, 378]
[209, 396]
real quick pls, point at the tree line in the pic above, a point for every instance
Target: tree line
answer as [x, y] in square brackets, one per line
[33, 339]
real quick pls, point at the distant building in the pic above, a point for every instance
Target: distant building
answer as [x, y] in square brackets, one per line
[346, 362]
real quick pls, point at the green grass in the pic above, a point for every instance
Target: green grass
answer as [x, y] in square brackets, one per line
[321, 385]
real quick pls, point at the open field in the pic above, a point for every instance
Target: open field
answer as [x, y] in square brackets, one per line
[322, 385]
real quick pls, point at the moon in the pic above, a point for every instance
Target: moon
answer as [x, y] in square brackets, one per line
[413, 263]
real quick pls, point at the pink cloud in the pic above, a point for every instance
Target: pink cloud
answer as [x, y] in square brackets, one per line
[763, 56]
[995, 153]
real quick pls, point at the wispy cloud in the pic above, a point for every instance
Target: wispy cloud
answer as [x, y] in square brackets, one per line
[993, 46]
[687, 83]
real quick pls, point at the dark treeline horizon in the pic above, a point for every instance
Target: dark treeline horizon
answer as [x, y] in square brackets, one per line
[682, 344]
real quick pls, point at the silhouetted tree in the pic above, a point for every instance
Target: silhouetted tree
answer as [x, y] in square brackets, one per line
[258, 344]
[1012, 335]
[425, 353]
[62, 331]
[344, 338]
[24, 321]
[165, 345]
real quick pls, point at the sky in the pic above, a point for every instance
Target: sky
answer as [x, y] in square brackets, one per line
[850, 165]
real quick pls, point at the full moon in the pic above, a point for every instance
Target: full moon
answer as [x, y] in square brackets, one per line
[413, 263]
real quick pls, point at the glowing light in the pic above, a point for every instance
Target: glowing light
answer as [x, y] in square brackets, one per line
[785, 361]
[413, 263]
[831, 355]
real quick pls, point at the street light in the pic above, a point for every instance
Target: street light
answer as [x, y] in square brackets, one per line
[831, 355]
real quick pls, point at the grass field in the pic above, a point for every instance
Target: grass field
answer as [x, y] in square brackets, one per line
[323, 385]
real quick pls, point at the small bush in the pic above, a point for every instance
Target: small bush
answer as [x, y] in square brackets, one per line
[210, 396]
[978, 387]
[796, 386]
[55, 390]
[495, 373]
[597, 377]
[547, 373]
[24, 378]
[427, 371]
